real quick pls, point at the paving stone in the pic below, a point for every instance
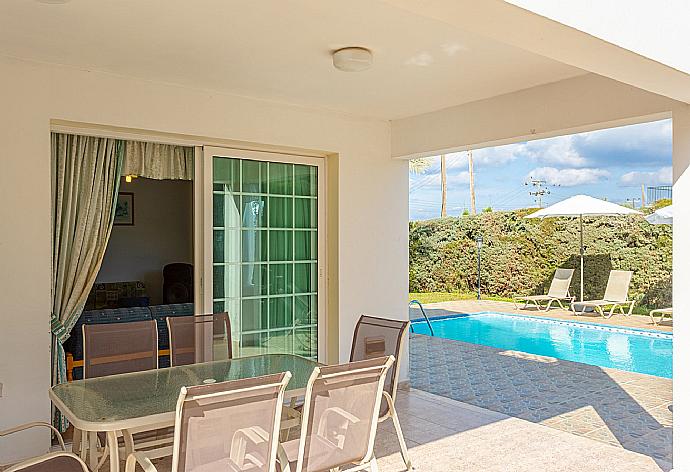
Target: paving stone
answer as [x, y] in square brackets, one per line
[624, 409]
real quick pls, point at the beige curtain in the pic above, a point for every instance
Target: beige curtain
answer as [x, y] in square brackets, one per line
[87, 178]
[158, 161]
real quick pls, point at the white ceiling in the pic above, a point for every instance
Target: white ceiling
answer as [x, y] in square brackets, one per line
[278, 50]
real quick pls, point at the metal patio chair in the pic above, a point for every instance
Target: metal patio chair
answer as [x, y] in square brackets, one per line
[118, 348]
[339, 418]
[61, 461]
[183, 331]
[376, 337]
[225, 427]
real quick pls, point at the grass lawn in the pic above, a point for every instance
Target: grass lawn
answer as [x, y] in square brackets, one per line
[434, 297]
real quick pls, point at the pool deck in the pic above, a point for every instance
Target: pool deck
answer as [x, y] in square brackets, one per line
[622, 409]
[476, 306]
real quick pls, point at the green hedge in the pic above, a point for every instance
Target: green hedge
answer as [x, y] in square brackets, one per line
[520, 255]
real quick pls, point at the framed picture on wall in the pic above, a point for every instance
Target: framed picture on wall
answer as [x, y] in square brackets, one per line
[124, 209]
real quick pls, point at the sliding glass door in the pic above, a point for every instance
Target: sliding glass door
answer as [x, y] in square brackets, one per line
[265, 247]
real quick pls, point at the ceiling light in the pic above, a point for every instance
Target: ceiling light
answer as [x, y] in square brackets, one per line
[352, 59]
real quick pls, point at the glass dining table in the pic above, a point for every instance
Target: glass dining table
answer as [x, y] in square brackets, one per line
[146, 400]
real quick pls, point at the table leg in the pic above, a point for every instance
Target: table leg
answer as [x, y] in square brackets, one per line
[83, 445]
[114, 451]
[129, 442]
[76, 442]
[93, 450]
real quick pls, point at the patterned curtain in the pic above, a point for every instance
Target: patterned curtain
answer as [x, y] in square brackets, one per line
[158, 161]
[87, 180]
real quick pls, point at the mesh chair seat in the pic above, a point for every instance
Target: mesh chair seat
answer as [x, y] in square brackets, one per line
[229, 426]
[183, 336]
[59, 461]
[376, 337]
[340, 416]
[120, 348]
[62, 463]
[321, 451]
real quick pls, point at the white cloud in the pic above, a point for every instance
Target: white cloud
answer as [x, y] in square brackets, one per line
[663, 176]
[569, 177]
[559, 151]
[497, 156]
[460, 178]
[639, 136]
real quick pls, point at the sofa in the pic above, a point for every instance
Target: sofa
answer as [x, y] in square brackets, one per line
[74, 346]
[117, 295]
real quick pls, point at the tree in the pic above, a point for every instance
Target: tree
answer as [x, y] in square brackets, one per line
[420, 164]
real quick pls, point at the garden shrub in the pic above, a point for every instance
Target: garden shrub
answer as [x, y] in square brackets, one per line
[519, 255]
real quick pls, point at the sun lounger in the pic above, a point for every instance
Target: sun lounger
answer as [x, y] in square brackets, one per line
[559, 290]
[615, 296]
[662, 312]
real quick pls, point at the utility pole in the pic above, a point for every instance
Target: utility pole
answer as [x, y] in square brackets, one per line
[444, 187]
[642, 196]
[470, 164]
[539, 191]
[632, 200]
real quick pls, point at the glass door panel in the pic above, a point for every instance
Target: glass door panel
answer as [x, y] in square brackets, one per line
[265, 254]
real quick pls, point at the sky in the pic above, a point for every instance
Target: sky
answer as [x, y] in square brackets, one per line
[610, 164]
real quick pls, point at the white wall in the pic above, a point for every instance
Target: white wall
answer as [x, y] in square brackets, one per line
[573, 105]
[162, 234]
[664, 71]
[657, 30]
[681, 282]
[372, 271]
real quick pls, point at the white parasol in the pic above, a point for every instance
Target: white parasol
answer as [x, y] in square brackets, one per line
[579, 206]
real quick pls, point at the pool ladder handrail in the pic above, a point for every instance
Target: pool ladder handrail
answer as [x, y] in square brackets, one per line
[431, 330]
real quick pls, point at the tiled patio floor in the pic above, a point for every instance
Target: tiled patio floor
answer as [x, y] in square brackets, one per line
[476, 306]
[623, 409]
[444, 435]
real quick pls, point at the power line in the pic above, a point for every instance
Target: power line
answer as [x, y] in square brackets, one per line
[417, 185]
[540, 189]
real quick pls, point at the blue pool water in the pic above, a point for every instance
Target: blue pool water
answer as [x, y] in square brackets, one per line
[642, 351]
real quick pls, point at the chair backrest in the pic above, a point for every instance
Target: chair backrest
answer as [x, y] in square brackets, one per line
[117, 348]
[377, 337]
[229, 426]
[560, 284]
[617, 286]
[183, 334]
[340, 414]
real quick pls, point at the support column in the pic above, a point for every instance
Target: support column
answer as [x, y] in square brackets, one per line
[681, 282]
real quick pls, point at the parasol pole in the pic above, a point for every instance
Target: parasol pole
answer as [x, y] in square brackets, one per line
[582, 263]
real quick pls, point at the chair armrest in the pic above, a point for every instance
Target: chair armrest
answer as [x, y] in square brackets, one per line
[139, 458]
[342, 413]
[29, 463]
[35, 424]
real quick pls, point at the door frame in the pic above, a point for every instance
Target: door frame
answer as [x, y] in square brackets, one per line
[203, 227]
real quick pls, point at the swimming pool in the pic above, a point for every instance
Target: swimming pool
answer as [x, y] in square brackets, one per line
[635, 350]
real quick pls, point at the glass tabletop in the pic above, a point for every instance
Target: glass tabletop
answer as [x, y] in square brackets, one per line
[153, 392]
